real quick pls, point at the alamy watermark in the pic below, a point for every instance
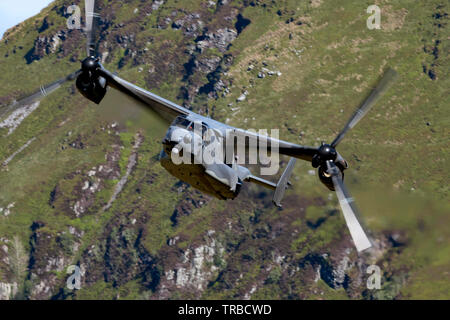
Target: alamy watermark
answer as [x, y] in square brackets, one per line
[74, 21]
[374, 21]
[74, 281]
[200, 145]
[374, 280]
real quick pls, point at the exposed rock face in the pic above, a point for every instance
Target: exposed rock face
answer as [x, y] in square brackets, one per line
[220, 39]
[203, 248]
[17, 116]
[130, 166]
[11, 158]
[7, 290]
[211, 33]
[156, 4]
[45, 45]
[87, 185]
[195, 267]
[194, 275]
[48, 254]
[191, 24]
[120, 257]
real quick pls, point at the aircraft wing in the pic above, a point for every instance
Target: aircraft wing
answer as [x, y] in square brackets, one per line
[253, 140]
[169, 111]
[164, 108]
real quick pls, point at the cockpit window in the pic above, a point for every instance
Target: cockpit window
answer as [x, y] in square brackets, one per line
[205, 128]
[182, 122]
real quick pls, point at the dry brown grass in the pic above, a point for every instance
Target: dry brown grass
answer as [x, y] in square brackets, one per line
[392, 19]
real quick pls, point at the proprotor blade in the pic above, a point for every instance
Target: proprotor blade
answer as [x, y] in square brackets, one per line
[42, 92]
[90, 15]
[383, 85]
[349, 209]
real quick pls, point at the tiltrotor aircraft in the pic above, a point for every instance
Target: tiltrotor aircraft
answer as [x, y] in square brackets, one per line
[187, 131]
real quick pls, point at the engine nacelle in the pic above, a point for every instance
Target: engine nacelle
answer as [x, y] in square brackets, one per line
[91, 86]
[325, 178]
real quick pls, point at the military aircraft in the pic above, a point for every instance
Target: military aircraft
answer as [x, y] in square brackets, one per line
[186, 133]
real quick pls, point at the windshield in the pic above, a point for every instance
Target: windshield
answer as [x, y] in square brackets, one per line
[182, 122]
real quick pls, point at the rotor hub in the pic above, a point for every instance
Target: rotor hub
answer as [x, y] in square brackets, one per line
[90, 64]
[325, 152]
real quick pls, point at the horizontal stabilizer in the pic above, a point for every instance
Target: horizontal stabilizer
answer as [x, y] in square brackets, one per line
[262, 182]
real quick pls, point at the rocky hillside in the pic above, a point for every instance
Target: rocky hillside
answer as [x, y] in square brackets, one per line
[79, 188]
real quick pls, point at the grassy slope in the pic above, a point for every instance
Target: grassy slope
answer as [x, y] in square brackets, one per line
[390, 152]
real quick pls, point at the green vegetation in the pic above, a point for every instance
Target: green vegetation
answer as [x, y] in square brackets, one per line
[150, 237]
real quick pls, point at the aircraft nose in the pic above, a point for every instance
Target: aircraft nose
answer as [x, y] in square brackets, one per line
[175, 150]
